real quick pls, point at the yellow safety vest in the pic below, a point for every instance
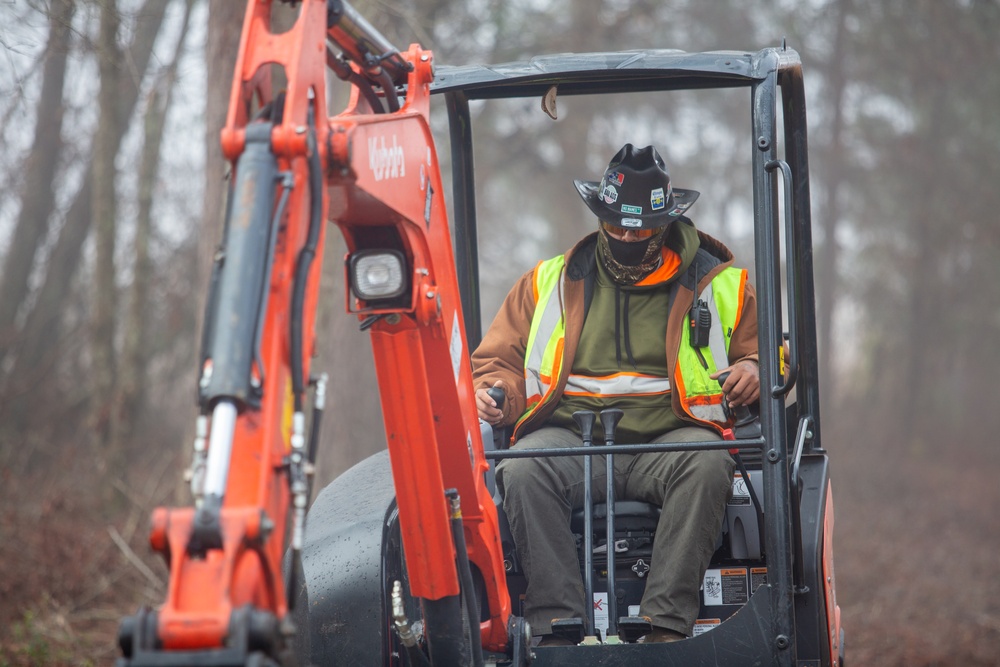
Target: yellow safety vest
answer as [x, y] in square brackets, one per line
[700, 396]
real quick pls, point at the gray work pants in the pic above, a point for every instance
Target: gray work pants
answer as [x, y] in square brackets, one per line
[540, 494]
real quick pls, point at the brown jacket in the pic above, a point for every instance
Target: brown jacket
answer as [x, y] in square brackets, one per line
[500, 356]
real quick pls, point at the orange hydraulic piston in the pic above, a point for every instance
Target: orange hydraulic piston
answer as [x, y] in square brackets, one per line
[204, 590]
[380, 173]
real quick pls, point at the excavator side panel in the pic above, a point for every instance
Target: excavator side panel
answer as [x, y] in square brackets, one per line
[352, 554]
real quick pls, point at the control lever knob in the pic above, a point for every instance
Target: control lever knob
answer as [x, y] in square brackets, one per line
[741, 413]
[496, 393]
[585, 420]
[609, 419]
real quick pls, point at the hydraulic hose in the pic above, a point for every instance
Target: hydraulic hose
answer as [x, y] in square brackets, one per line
[304, 263]
[345, 73]
[465, 578]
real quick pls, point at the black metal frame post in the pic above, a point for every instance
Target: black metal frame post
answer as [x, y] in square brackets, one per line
[769, 323]
[797, 155]
[465, 234]
[609, 420]
[585, 419]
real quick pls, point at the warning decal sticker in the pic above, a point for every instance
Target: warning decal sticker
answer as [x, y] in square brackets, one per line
[703, 625]
[726, 586]
[741, 494]
[601, 611]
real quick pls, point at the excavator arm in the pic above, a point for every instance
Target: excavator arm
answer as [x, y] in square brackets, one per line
[372, 170]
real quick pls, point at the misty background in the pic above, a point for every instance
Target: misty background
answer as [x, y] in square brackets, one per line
[113, 188]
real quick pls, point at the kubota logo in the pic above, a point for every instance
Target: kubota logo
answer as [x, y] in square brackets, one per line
[386, 161]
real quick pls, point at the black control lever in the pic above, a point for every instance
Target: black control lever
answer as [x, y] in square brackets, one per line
[496, 393]
[585, 420]
[746, 424]
[609, 419]
[742, 414]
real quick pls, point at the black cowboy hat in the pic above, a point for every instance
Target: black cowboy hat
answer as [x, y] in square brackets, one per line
[635, 191]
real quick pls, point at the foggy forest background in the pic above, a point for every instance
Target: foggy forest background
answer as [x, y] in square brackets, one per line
[113, 186]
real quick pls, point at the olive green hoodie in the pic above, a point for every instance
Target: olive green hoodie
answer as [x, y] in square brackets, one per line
[631, 320]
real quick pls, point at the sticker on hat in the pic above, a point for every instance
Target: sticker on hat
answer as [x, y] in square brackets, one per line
[635, 210]
[630, 222]
[610, 194]
[656, 199]
[616, 176]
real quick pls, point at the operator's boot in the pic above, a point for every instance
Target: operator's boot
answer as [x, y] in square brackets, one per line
[554, 640]
[565, 632]
[660, 635]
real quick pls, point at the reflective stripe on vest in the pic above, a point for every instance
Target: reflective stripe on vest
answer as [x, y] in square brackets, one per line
[617, 384]
[701, 396]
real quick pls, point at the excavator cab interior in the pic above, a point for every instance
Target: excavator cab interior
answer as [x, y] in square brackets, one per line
[748, 554]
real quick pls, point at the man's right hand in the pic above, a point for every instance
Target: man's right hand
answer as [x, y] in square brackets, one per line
[487, 407]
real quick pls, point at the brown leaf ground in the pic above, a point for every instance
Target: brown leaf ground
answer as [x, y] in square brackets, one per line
[917, 540]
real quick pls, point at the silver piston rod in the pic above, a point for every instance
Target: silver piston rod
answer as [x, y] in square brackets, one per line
[220, 448]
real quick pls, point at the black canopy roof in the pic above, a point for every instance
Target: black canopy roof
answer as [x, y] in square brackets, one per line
[588, 73]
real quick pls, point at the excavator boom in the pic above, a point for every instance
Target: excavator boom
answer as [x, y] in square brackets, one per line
[372, 170]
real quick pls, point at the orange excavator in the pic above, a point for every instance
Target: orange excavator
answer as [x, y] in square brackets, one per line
[407, 558]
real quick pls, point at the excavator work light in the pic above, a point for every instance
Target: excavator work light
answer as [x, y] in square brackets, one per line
[377, 274]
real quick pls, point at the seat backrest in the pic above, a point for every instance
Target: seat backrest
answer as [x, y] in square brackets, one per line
[624, 509]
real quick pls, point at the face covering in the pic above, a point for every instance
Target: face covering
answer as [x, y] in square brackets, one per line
[630, 262]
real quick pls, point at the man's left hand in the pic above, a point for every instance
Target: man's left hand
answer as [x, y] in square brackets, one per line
[742, 387]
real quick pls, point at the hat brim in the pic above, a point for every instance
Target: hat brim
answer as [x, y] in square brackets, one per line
[589, 192]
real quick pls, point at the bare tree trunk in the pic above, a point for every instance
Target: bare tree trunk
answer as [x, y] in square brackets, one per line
[37, 191]
[917, 351]
[104, 405]
[134, 341]
[43, 328]
[136, 348]
[829, 253]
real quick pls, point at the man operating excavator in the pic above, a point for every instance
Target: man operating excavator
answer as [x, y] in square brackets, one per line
[645, 315]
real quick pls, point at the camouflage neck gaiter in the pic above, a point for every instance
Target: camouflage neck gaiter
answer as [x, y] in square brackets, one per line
[623, 260]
